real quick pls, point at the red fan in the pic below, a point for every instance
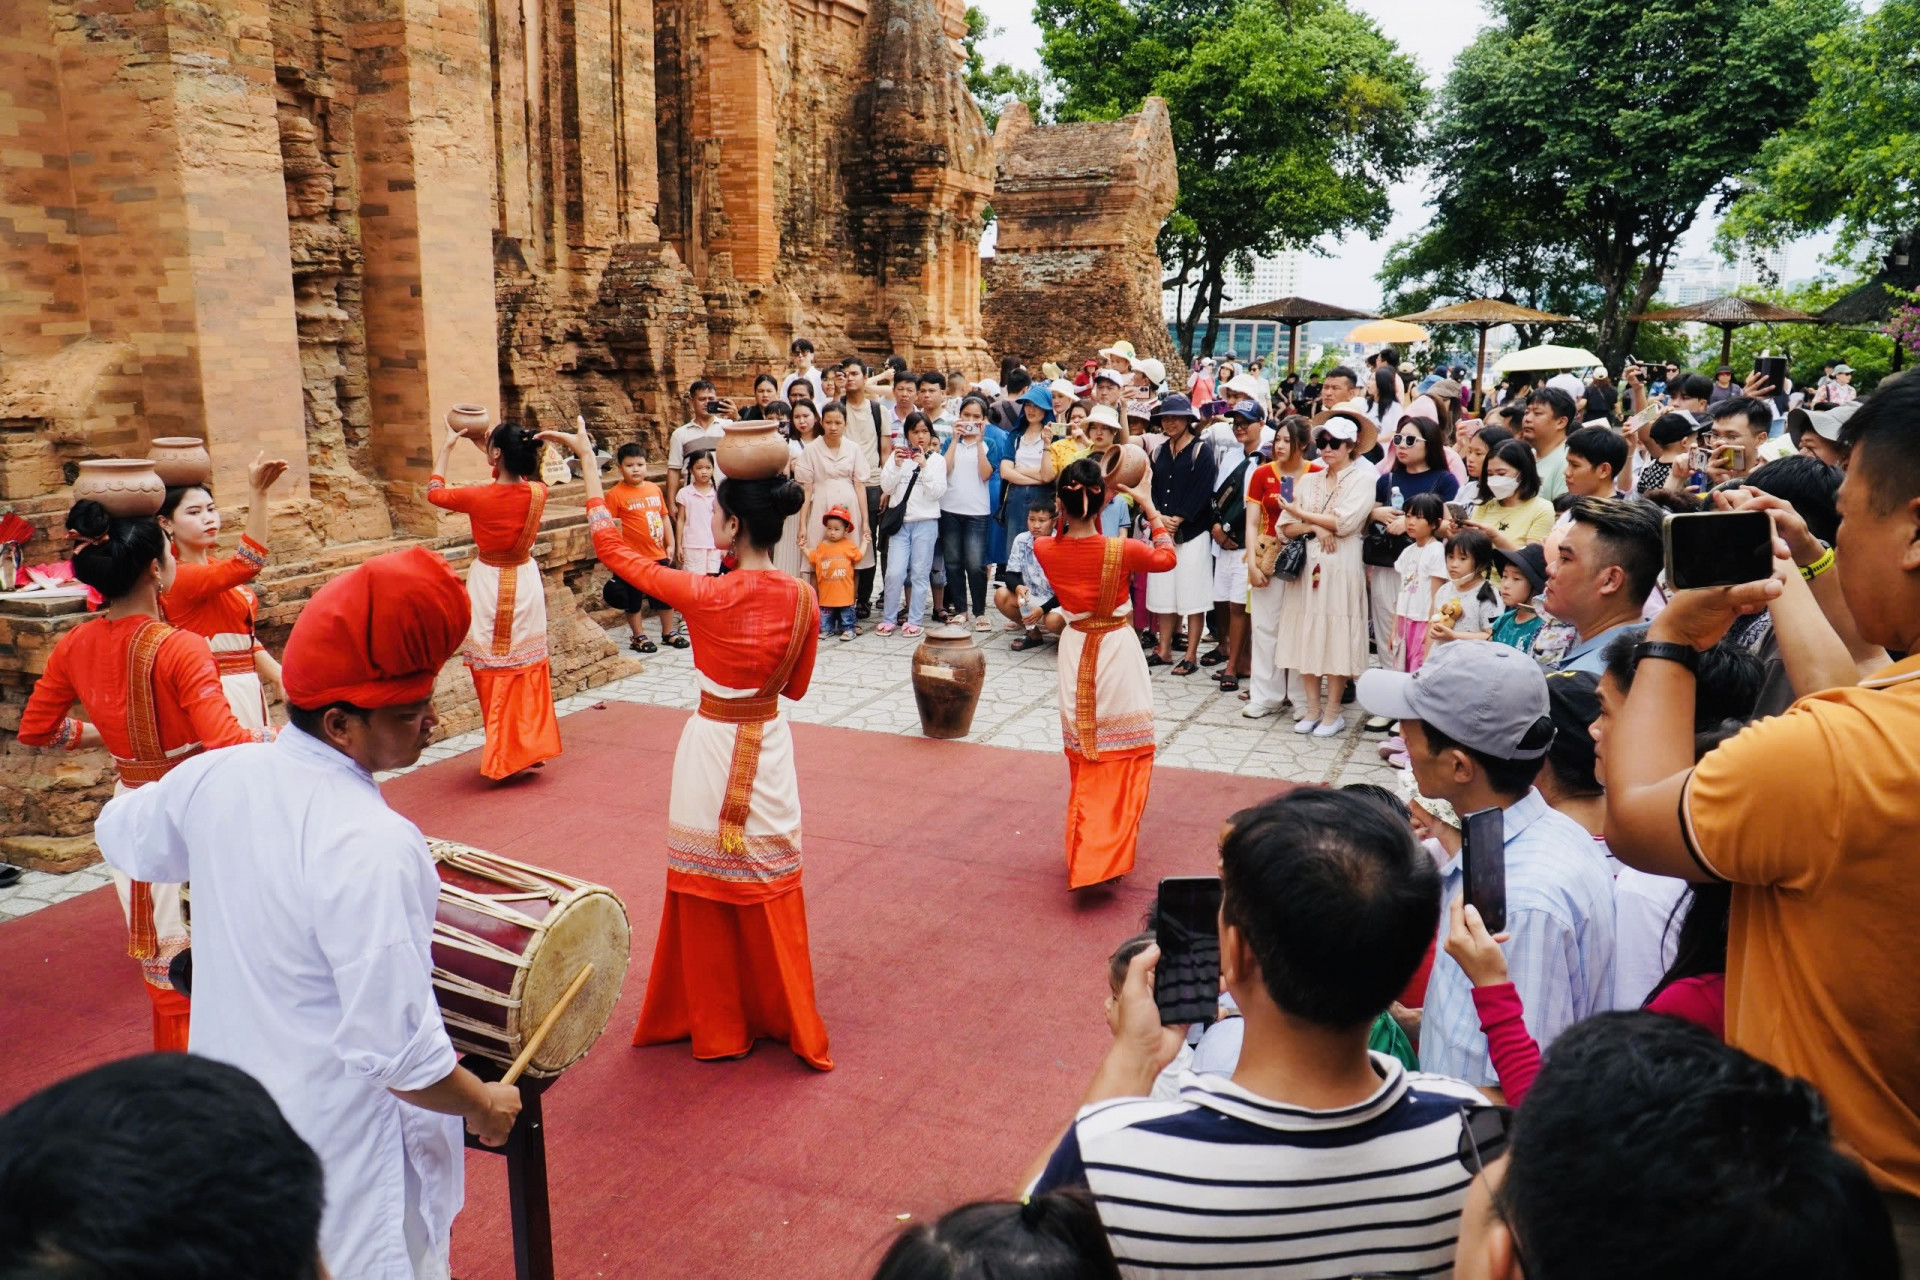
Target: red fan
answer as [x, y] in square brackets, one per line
[14, 530]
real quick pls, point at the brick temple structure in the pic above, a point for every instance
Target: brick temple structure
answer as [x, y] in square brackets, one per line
[1078, 208]
[310, 226]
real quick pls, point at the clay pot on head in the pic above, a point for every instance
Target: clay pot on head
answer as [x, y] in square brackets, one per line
[949, 670]
[1124, 466]
[181, 460]
[751, 450]
[124, 486]
[472, 421]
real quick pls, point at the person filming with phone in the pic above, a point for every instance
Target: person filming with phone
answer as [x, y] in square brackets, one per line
[1740, 426]
[1327, 904]
[1811, 814]
[1477, 727]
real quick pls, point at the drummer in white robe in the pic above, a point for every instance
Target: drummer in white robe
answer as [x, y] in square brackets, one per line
[313, 907]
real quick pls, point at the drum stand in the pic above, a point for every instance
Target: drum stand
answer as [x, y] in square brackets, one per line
[526, 1153]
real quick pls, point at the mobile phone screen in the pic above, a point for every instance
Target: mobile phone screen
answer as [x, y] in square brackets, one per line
[1458, 510]
[1483, 856]
[1701, 459]
[1186, 983]
[1718, 548]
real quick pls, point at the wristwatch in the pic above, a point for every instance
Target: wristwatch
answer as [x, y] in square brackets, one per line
[1684, 654]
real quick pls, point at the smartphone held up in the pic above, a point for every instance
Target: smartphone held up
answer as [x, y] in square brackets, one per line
[1186, 982]
[1718, 548]
[1483, 860]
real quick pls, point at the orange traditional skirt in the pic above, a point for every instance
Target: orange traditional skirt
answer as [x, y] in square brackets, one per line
[1106, 725]
[506, 651]
[732, 963]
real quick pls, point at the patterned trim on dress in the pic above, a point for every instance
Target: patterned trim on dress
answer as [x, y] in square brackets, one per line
[67, 737]
[1128, 731]
[526, 655]
[435, 482]
[758, 859]
[252, 553]
[598, 518]
[503, 602]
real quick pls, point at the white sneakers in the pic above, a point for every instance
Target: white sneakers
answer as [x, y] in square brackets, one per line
[1258, 710]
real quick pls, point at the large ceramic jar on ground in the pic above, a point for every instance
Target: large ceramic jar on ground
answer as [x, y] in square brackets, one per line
[124, 486]
[751, 450]
[181, 460]
[949, 670]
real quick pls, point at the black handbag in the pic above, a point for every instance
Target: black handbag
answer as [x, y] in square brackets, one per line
[1293, 558]
[1230, 506]
[894, 515]
[1381, 549]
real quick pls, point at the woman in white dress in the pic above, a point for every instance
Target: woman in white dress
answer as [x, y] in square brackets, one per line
[834, 473]
[1323, 629]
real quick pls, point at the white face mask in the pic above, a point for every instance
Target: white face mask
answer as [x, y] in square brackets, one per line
[1503, 487]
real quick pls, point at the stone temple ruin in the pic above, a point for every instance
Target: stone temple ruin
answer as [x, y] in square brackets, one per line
[310, 226]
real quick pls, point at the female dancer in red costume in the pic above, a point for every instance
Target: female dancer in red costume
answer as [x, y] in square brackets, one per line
[731, 962]
[152, 697]
[211, 597]
[1106, 701]
[507, 649]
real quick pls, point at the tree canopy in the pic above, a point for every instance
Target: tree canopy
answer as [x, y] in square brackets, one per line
[1576, 142]
[1289, 122]
[1854, 156]
[996, 86]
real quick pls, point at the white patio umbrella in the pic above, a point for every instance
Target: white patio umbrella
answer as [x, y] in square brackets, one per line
[1538, 359]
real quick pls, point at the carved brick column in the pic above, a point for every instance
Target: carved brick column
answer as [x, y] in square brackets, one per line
[424, 127]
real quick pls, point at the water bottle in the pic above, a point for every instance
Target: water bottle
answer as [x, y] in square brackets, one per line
[1398, 499]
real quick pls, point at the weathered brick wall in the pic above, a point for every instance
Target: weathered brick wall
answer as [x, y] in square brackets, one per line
[1078, 209]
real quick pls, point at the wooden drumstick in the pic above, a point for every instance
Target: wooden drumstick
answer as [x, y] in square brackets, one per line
[546, 1025]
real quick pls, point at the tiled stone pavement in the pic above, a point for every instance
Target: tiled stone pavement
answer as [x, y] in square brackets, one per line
[866, 684]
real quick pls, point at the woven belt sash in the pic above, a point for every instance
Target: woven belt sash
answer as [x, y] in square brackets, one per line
[751, 714]
[235, 664]
[1086, 676]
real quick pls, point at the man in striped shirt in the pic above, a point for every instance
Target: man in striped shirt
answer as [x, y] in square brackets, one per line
[1317, 1159]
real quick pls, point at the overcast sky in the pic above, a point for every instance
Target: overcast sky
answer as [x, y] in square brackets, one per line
[1433, 31]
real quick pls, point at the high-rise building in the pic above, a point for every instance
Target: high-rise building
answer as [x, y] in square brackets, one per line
[1691, 280]
[1276, 276]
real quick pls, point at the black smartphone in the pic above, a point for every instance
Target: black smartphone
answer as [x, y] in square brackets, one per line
[1774, 370]
[1186, 983]
[1483, 860]
[1718, 548]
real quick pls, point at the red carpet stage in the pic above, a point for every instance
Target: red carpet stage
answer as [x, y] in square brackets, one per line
[962, 987]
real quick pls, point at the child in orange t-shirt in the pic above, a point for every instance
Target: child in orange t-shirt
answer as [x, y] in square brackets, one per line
[641, 509]
[834, 564]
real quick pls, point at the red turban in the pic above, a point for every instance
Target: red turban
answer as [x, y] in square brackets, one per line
[378, 635]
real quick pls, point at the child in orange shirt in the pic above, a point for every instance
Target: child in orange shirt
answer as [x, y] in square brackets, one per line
[641, 509]
[834, 564]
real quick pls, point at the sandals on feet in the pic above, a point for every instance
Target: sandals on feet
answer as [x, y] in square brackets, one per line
[1184, 667]
[1229, 684]
[640, 644]
[1021, 643]
[1213, 658]
[1155, 660]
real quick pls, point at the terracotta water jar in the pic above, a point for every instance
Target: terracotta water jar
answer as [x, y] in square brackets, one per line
[751, 450]
[472, 421]
[124, 486]
[1124, 466]
[949, 670]
[181, 460]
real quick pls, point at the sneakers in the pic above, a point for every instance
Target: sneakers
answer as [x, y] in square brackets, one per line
[1392, 746]
[1378, 724]
[846, 637]
[1258, 710]
[1330, 728]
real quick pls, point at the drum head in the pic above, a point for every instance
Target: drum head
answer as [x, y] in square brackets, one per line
[589, 927]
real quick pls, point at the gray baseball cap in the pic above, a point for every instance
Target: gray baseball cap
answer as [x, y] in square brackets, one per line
[1487, 696]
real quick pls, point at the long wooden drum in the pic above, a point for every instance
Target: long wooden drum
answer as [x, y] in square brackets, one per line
[507, 940]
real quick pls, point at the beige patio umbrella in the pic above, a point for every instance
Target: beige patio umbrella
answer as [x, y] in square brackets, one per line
[1387, 331]
[1294, 312]
[1483, 314]
[1728, 314]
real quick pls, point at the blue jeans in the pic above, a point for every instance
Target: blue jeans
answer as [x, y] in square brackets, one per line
[835, 618]
[910, 558]
[963, 544]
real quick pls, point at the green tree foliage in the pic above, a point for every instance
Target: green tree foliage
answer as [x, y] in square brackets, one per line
[1289, 122]
[1577, 139]
[996, 86]
[1854, 155]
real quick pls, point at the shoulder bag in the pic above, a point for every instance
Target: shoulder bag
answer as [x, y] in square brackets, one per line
[894, 514]
[1269, 548]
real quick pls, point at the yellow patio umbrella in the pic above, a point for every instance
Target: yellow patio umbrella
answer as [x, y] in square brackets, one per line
[1387, 331]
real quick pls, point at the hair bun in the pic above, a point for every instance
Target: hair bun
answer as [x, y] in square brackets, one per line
[89, 519]
[788, 497]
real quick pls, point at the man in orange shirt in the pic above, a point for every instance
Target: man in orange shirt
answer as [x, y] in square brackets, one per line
[1811, 815]
[835, 562]
[637, 503]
